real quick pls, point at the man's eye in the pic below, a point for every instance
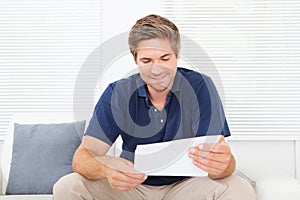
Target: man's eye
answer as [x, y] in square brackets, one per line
[146, 61]
[165, 59]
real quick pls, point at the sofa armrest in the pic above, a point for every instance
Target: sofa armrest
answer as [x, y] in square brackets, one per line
[0, 181]
[270, 183]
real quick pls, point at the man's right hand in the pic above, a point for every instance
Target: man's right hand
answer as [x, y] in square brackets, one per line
[91, 162]
[120, 173]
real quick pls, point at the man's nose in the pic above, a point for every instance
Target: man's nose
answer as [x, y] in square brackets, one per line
[156, 68]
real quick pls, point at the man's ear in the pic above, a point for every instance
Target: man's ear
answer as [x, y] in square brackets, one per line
[178, 56]
[135, 58]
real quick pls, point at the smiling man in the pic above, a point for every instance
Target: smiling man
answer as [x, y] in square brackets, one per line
[161, 103]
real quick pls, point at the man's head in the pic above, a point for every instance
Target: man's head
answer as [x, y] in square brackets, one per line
[154, 27]
[154, 42]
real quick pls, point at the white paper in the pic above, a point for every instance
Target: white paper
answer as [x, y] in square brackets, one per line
[170, 158]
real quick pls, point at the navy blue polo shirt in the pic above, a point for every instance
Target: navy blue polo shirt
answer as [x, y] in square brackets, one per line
[193, 108]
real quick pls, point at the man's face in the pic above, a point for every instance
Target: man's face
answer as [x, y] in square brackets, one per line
[157, 63]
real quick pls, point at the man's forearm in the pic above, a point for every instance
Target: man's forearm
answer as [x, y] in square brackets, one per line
[86, 164]
[229, 170]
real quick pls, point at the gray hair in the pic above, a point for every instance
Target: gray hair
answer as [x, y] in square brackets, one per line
[153, 26]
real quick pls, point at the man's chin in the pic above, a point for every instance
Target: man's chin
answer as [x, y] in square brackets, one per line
[159, 88]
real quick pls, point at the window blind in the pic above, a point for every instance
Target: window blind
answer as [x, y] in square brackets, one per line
[42, 47]
[255, 47]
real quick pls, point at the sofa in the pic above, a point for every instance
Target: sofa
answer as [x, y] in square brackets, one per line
[269, 183]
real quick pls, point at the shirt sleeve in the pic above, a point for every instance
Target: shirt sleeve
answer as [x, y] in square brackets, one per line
[212, 120]
[102, 124]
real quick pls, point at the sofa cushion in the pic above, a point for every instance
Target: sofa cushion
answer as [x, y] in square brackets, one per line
[42, 153]
[244, 176]
[26, 197]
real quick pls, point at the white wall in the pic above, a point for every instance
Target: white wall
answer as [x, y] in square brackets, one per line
[118, 17]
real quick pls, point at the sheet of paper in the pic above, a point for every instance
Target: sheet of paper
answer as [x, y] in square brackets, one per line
[171, 158]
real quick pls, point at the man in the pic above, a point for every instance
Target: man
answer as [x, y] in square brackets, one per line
[161, 103]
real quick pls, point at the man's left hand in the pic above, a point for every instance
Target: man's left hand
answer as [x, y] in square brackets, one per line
[212, 158]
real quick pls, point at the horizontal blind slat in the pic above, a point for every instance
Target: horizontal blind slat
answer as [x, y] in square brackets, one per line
[254, 45]
[43, 45]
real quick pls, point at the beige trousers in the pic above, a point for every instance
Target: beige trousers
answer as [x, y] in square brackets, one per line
[75, 187]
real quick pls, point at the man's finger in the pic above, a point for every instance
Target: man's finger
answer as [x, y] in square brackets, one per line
[206, 147]
[139, 176]
[222, 139]
[126, 178]
[210, 145]
[219, 147]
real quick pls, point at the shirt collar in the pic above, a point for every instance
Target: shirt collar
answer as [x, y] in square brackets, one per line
[177, 82]
[142, 92]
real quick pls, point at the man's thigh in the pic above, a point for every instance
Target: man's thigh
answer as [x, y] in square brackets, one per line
[76, 187]
[204, 188]
[194, 188]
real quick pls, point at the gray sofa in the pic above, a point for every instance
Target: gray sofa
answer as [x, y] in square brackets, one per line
[268, 182]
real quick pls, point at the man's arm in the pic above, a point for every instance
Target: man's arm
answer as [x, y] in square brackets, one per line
[94, 170]
[91, 162]
[216, 160]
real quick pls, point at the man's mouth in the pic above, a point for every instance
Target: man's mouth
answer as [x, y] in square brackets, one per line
[157, 79]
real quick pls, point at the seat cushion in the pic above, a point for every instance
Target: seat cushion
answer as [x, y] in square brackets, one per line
[26, 197]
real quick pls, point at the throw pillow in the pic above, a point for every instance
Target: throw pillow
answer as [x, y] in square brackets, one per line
[42, 153]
